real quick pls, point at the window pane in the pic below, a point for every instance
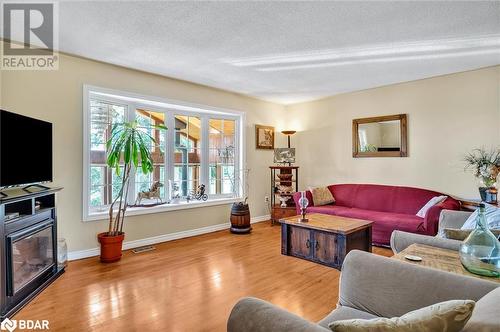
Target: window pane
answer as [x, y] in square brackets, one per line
[96, 195]
[150, 187]
[104, 184]
[147, 120]
[222, 156]
[228, 180]
[187, 132]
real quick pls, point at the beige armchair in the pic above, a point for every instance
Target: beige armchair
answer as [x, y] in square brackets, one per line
[448, 219]
[374, 286]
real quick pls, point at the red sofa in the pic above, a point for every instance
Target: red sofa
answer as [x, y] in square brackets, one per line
[389, 207]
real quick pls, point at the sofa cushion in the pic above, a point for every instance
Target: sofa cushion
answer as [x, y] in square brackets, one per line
[344, 193]
[343, 312]
[433, 201]
[449, 316]
[384, 222]
[486, 315]
[322, 196]
[461, 234]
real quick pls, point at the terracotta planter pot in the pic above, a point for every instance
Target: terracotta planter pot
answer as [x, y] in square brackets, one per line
[111, 247]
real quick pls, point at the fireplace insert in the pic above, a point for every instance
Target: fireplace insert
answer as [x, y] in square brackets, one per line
[28, 248]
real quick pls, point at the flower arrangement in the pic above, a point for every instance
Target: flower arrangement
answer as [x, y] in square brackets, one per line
[485, 165]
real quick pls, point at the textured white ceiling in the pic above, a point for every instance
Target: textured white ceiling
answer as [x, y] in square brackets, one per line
[286, 52]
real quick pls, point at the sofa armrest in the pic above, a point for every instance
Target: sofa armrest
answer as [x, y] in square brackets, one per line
[254, 315]
[452, 219]
[388, 287]
[401, 240]
[431, 219]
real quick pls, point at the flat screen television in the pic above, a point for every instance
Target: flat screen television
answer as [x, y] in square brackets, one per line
[25, 150]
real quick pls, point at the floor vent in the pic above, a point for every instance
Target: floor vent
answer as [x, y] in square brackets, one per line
[143, 249]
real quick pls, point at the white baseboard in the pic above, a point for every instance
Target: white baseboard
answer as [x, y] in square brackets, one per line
[74, 255]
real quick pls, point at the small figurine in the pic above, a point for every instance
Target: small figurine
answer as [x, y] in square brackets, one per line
[154, 192]
[200, 193]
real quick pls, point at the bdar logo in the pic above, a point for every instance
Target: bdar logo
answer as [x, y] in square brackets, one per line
[8, 325]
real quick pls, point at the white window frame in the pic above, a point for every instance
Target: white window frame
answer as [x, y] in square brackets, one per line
[171, 108]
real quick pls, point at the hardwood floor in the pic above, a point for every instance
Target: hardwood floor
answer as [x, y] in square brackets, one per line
[186, 285]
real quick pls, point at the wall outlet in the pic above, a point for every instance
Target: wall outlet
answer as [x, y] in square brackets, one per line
[266, 199]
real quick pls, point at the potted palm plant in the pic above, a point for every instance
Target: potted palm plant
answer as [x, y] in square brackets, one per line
[128, 148]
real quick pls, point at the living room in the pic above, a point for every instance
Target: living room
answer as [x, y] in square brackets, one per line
[211, 199]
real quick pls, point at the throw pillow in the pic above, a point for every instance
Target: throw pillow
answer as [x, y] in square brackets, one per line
[492, 215]
[322, 196]
[485, 317]
[461, 234]
[433, 201]
[449, 316]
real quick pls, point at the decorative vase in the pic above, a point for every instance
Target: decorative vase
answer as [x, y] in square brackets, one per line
[482, 192]
[480, 251]
[62, 253]
[111, 247]
[491, 195]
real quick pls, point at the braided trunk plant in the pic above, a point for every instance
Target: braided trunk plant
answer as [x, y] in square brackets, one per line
[128, 147]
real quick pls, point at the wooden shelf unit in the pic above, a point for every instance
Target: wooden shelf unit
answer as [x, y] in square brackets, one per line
[278, 212]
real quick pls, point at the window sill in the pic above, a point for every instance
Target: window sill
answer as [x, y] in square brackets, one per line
[134, 211]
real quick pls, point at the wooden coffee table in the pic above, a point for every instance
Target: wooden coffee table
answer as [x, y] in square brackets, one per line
[324, 239]
[437, 258]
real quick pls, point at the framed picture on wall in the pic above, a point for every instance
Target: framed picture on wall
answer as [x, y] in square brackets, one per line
[284, 155]
[264, 137]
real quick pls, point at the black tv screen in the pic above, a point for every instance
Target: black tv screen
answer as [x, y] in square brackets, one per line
[25, 150]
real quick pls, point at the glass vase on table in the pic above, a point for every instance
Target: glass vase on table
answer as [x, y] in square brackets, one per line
[480, 251]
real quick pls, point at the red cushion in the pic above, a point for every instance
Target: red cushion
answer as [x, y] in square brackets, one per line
[343, 193]
[384, 222]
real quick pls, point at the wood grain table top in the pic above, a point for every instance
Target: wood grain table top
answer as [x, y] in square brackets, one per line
[329, 223]
[437, 258]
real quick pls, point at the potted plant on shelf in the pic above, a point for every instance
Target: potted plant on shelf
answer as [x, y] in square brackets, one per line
[127, 148]
[486, 167]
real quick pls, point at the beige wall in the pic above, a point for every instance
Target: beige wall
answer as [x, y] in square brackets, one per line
[448, 116]
[56, 96]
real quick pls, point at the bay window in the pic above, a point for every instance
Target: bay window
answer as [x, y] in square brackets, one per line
[201, 146]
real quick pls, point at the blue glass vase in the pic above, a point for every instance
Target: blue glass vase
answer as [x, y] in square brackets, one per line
[480, 251]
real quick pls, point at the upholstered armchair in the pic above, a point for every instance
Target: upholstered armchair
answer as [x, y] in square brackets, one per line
[448, 219]
[374, 286]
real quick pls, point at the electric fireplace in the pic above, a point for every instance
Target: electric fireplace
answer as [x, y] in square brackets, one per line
[28, 236]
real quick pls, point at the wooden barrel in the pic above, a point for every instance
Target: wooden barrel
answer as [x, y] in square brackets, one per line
[240, 218]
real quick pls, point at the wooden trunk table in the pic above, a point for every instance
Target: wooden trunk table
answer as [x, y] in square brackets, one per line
[324, 239]
[438, 258]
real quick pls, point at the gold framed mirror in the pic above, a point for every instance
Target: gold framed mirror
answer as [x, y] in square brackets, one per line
[380, 136]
